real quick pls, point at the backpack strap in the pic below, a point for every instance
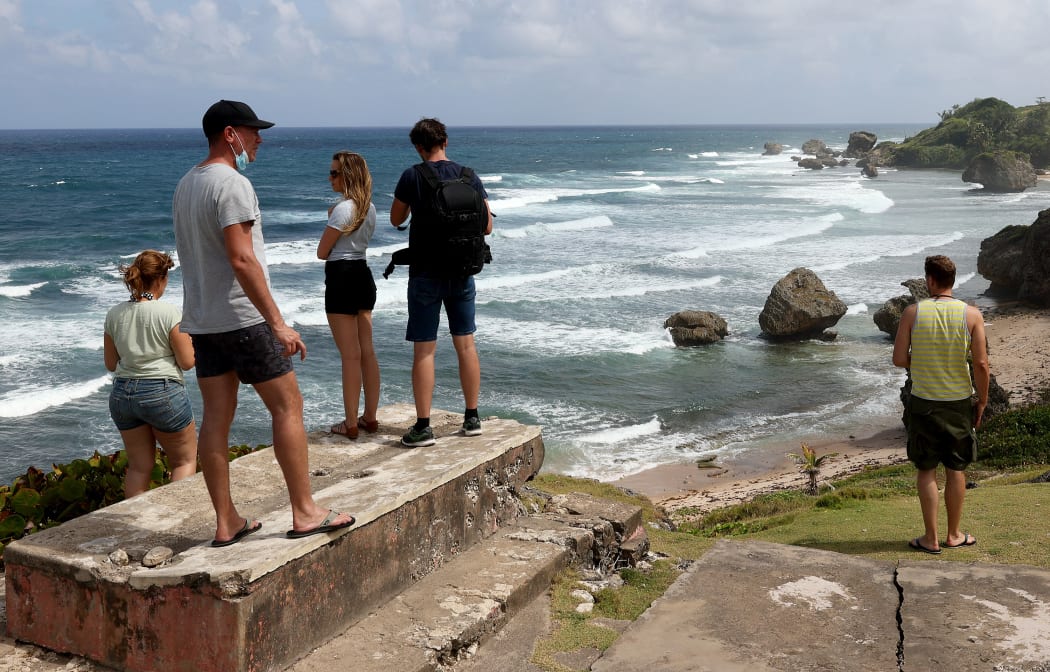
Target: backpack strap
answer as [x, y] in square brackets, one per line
[429, 174]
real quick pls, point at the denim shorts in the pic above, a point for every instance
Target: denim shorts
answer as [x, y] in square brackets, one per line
[158, 402]
[253, 352]
[426, 295]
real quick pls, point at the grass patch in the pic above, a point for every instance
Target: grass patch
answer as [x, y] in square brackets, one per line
[872, 514]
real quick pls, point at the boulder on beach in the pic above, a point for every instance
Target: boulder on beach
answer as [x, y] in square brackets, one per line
[800, 306]
[1016, 260]
[888, 318]
[1001, 172]
[695, 327]
[772, 149]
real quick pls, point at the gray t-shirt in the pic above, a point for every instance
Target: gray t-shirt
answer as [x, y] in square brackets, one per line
[208, 199]
[355, 245]
[141, 332]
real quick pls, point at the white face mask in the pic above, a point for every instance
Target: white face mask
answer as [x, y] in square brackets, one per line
[242, 158]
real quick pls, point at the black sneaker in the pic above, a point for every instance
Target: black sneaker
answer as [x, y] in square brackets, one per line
[417, 438]
[471, 426]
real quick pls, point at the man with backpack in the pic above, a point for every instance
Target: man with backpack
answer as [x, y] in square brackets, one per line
[450, 219]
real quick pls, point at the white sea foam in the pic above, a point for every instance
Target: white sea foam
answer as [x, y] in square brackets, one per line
[841, 193]
[635, 173]
[9, 359]
[663, 149]
[292, 252]
[857, 309]
[869, 249]
[553, 339]
[584, 224]
[318, 215]
[614, 435]
[488, 179]
[593, 282]
[29, 401]
[16, 291]
[520, 198]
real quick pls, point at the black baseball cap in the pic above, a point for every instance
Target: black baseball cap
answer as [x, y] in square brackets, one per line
[230, 113]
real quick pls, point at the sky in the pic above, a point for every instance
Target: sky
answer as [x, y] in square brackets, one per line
[357, 63]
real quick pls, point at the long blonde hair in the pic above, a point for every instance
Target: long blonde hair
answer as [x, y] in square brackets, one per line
[357, 186]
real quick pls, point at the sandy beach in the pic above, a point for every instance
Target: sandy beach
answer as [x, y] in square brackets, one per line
[1019, 352]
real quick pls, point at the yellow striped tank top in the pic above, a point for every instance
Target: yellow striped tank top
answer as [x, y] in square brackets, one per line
[940, 346]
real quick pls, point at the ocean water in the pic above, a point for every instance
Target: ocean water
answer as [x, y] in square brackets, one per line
[601, 234]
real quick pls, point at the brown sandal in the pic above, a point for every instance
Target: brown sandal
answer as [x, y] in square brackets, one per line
[370, 426]
[343, 429]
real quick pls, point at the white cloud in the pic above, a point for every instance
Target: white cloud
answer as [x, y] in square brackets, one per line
[535, 61]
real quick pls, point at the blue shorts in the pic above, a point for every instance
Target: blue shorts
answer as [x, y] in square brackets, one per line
[158, 402]
[253, 352]
[426, 295]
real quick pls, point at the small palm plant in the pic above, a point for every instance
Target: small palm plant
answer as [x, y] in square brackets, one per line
[809, 464]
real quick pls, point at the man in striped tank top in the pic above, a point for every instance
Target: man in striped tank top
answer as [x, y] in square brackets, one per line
[936, 340]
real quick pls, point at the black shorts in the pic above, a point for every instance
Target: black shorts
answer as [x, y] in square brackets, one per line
[940, 432]
[253, 352]
[349, 287]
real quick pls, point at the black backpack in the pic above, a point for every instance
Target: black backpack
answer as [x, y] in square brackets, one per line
[454, 217]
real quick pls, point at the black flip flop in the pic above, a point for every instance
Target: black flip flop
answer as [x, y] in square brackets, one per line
[325, 526]
[241, 534]
[917, 545]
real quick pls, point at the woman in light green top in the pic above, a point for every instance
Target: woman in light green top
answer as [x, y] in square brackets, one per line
[145, 349]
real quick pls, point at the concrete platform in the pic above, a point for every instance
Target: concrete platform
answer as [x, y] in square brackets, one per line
[258, 604]
[759, 607]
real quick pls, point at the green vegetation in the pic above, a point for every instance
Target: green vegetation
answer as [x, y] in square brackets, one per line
[983, 125]
[860, 515]
[41, 499]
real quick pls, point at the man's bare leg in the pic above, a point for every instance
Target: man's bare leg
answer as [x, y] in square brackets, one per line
[285, 403]
[954, 494]
[469, 369]
[423, 376]
[219, 394]
[926, 482]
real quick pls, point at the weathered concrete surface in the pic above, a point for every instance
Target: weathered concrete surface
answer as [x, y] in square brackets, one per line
[973, 617]
[760, 607]
[445, 615]
[259, 603]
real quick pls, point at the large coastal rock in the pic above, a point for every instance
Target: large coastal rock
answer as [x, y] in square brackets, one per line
[1001, 172]
[772, 149]
[815, 147]
[888, 318]
[999, 260]
[695, 327]
[860, 143]
[811, 163]
[800, 306]
[1017, 261]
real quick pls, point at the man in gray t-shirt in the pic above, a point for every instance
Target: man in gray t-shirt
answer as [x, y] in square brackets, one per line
[239, 335]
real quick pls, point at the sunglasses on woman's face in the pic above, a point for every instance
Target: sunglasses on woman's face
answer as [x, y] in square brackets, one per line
[333, 173]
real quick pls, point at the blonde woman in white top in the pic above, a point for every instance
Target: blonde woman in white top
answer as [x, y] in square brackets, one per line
[350, 289]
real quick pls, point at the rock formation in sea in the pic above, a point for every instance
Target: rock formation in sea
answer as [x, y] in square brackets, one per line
[815, 147]
[860, 143]
[1017, 261]
[800, 306]
[696, 327]
[772, 149]
[1001, 171]
[888, 317]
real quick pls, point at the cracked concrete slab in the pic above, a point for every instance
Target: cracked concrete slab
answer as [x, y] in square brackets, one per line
[972, 617]
[761, 606]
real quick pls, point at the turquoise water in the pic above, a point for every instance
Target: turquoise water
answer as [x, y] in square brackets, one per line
[601, 234]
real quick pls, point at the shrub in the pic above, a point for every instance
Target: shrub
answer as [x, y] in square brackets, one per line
[41, 499]
[1015, 438]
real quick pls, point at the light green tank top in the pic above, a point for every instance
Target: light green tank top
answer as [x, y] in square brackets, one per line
[940, 346]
